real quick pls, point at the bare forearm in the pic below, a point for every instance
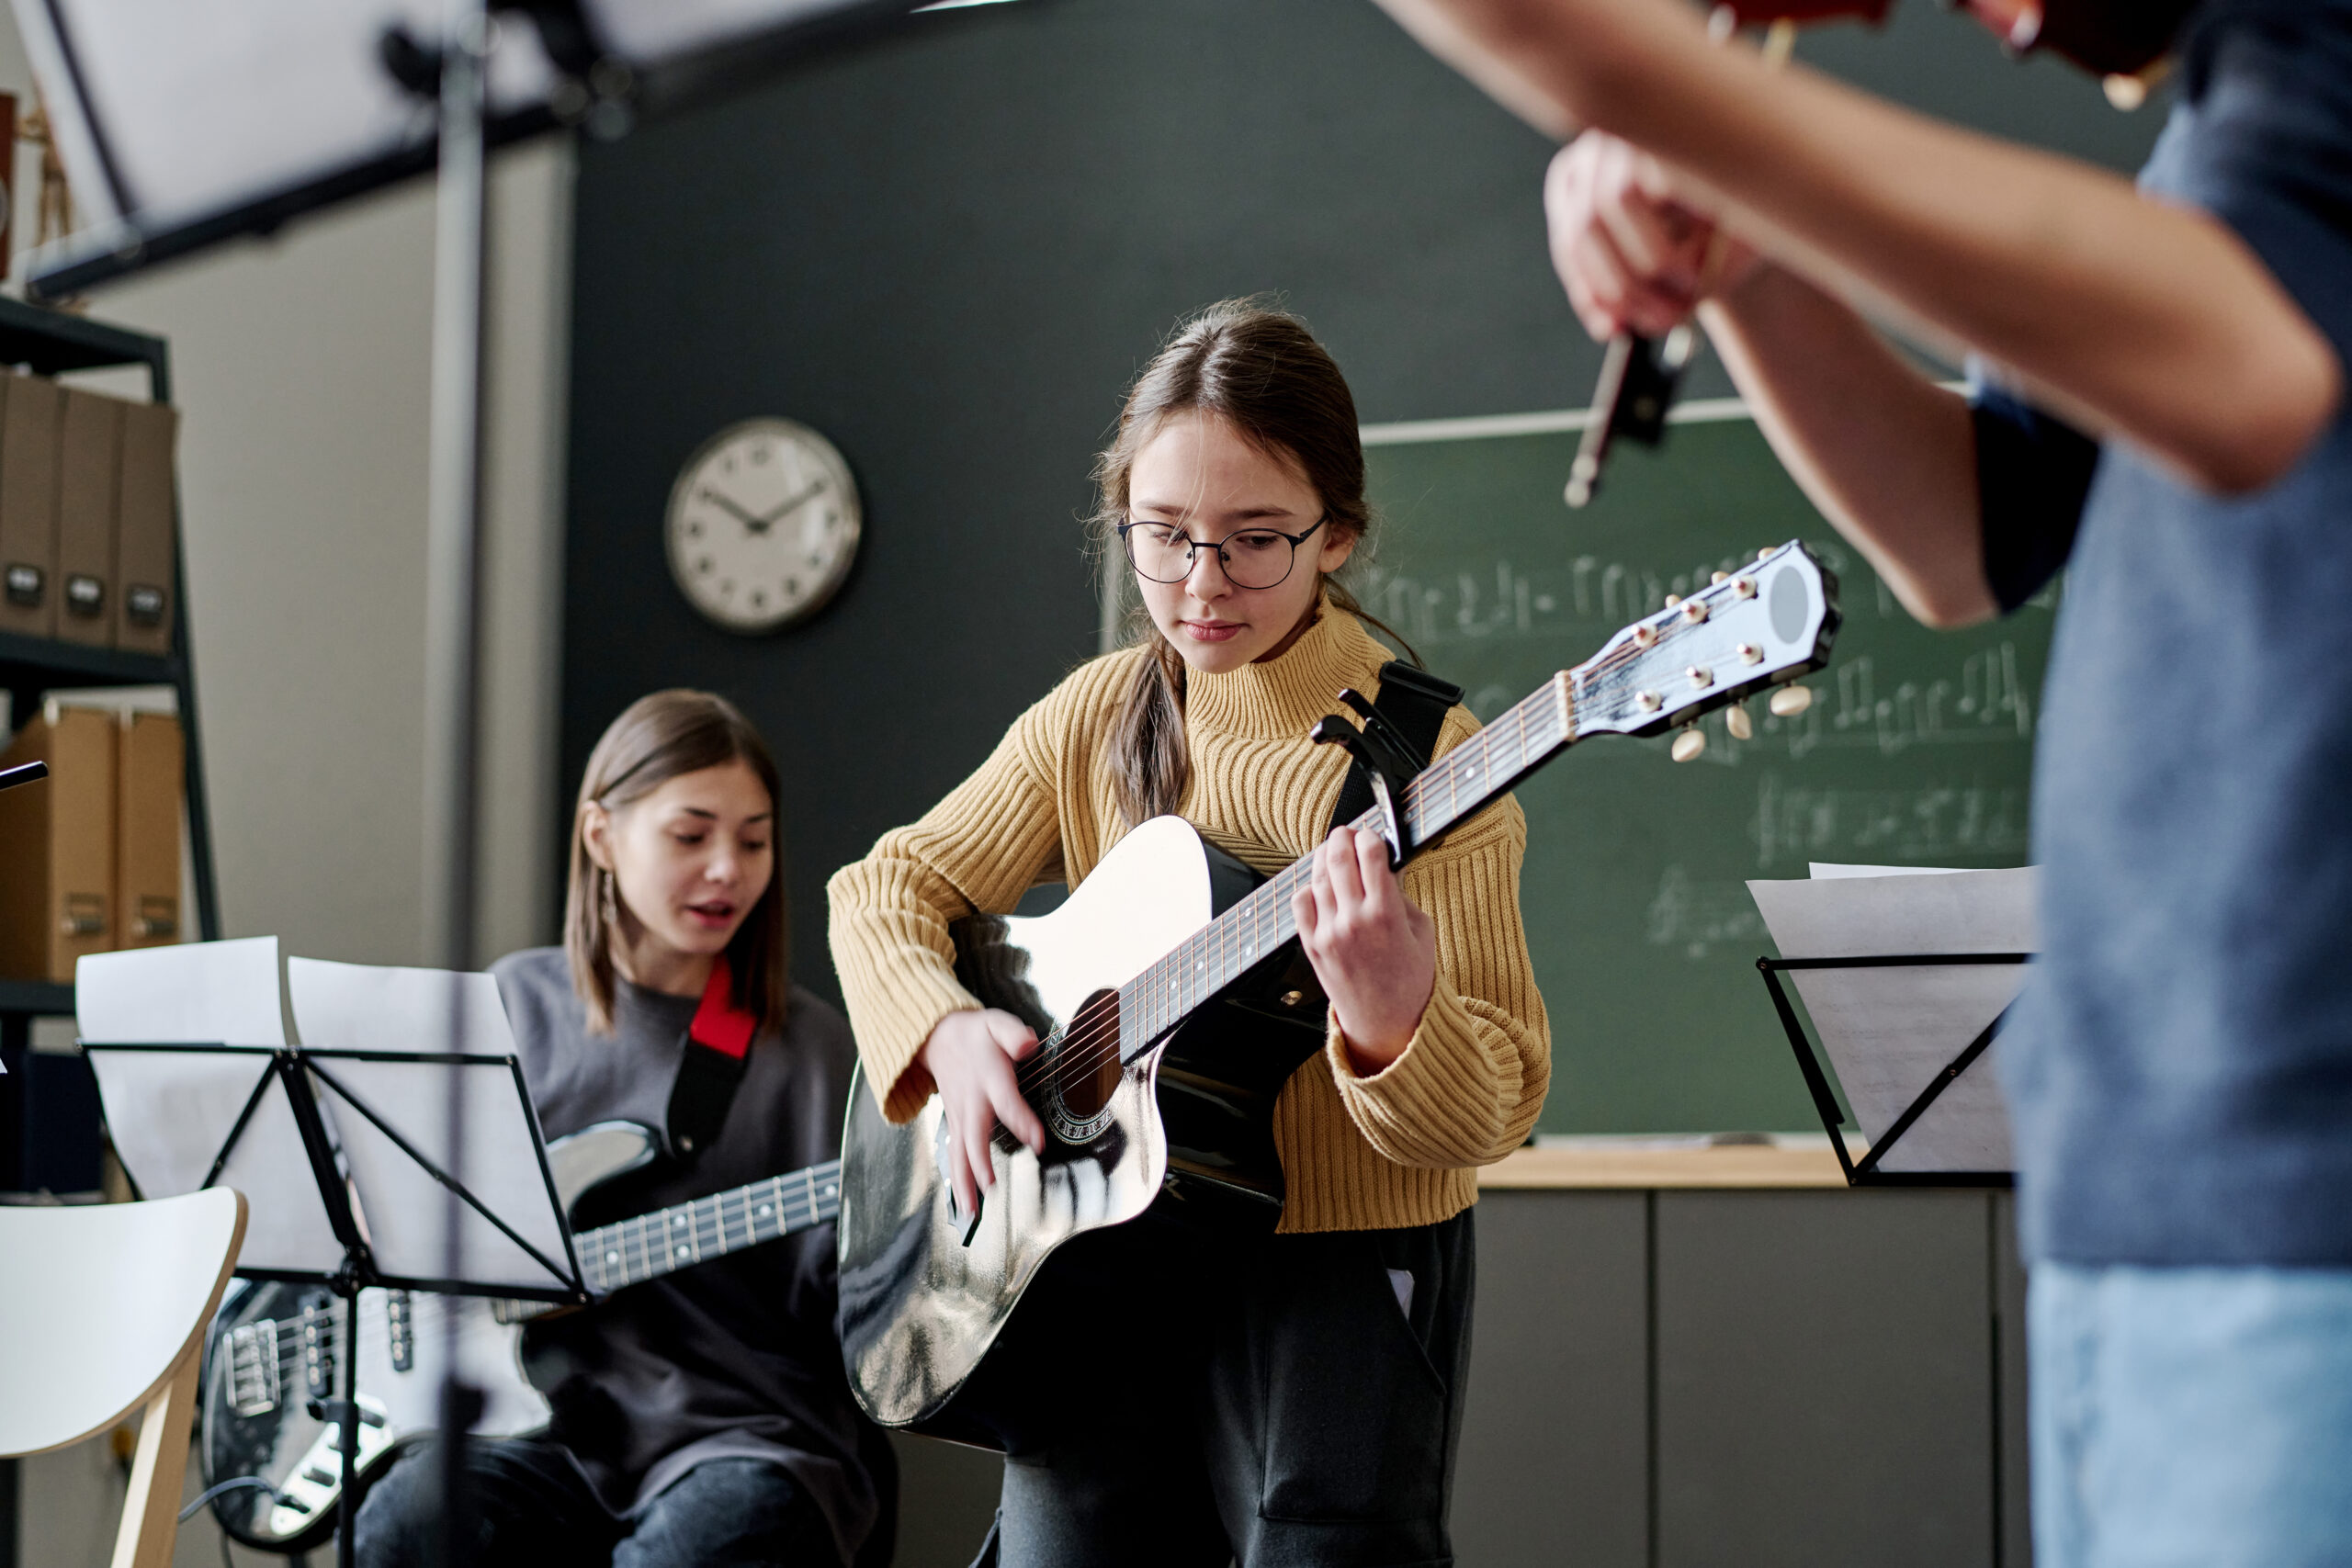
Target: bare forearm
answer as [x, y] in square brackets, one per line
[2124, 314]
[1887, 455]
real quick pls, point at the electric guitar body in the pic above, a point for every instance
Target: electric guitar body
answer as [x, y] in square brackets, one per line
[1187, 1124]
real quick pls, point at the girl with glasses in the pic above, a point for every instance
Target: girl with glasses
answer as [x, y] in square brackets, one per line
[1190, 1398]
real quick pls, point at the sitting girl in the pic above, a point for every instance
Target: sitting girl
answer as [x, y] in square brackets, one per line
[703, 1417]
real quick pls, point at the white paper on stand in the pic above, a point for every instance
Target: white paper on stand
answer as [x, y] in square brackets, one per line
[221, 991]
[365, 1006]
[169, 1112]
[1825, 871]
[420, 1013]
[498, 1163]
[1889, 1031]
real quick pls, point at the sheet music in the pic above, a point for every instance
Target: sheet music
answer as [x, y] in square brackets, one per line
[368, 1007]
[419, 1013]
[498, 1163]
[1888, 1032]
[224, 991]
[169, 1112]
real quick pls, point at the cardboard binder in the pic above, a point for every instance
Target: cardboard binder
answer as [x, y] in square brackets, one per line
[57, 846]
[89, 459]
[144, 608]
[29, 412]
[148, 779]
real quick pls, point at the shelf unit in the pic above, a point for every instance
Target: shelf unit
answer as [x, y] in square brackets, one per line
[50, 343]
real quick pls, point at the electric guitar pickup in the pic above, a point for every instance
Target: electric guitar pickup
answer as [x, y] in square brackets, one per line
[1174, 1001]
[272, 1354]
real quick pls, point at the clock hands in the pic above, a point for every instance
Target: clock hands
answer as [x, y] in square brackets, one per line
[756, 524]
[760, 524]
[795, 505]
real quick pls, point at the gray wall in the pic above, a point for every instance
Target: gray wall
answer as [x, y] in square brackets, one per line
[951, 255]
[299, 366]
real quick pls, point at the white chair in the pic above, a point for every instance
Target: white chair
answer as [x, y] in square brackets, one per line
[103, 1309]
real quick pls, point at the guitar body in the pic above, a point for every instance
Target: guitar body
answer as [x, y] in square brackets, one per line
[1186, 1128]
[255, 1420]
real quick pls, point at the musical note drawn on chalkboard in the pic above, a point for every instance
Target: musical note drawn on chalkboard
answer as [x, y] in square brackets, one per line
[1916, 825]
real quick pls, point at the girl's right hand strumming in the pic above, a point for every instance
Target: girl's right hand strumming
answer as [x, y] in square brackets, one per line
[971, 1056]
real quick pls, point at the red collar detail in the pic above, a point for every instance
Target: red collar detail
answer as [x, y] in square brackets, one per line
[719, 1022]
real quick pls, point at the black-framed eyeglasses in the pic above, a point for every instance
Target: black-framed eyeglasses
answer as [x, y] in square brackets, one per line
[1250, 558]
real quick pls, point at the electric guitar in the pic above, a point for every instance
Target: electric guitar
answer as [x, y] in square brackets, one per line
[275, 1347]
[1174, 1001]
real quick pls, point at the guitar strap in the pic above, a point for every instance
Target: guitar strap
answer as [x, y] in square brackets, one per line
[718, 1050]
[1416, 701]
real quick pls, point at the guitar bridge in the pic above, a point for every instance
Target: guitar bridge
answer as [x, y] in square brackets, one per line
[253, 1367]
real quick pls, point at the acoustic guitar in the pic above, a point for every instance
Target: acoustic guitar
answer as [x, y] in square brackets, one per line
[1172, 1001]
[275, 1349]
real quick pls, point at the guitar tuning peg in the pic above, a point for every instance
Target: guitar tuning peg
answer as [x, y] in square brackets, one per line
[1720, 577]
[1672, 600]
[1688, 744]
[1790, 701]
[1738, 723]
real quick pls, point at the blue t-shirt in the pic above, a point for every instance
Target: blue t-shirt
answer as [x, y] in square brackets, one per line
[2179, 1069]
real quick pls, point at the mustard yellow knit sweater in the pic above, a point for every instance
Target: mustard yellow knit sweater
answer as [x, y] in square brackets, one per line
[1395, 1148]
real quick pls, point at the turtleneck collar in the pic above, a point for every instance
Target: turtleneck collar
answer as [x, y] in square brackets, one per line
[1279, 699]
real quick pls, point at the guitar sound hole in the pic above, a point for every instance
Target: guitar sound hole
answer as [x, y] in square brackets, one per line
[1086, 1067]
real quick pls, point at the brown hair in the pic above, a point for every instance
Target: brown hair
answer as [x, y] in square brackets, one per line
[657, 738]
[1261, 371]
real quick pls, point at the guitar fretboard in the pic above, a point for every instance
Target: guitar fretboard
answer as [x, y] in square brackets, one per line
[1458, 785]
[652, 1245]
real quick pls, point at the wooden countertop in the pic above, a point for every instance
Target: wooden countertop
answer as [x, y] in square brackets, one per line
[1614, 1163]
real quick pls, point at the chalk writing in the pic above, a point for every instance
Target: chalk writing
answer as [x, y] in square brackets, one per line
[1695, 917]
[1919, 826]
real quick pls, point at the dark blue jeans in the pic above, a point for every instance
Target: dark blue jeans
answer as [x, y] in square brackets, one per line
[532, 1504]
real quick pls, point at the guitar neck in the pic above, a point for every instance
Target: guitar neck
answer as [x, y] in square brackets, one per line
[649, 1246]
[1458, 785]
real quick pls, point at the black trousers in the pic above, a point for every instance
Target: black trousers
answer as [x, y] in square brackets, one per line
[532, 1504]
[1188, 1401]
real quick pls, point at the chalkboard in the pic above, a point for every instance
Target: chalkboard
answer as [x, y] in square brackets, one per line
[1917, 751]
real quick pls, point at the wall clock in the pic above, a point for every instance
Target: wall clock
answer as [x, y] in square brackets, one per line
[762, 525]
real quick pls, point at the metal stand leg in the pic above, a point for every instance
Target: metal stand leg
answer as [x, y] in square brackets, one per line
[453, 616]
[347, 1425]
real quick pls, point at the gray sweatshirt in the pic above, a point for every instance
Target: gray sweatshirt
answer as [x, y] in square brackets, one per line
[736, 1357]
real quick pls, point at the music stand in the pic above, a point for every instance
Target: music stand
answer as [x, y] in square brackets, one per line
[1871, 1170]
[333, 1150]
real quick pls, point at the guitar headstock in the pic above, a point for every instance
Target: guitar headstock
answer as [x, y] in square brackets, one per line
[1768, 623]
[2104, 39]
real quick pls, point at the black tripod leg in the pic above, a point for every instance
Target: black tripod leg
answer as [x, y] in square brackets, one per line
[347, 1426]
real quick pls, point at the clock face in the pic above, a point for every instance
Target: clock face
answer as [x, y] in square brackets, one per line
[762, 525]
